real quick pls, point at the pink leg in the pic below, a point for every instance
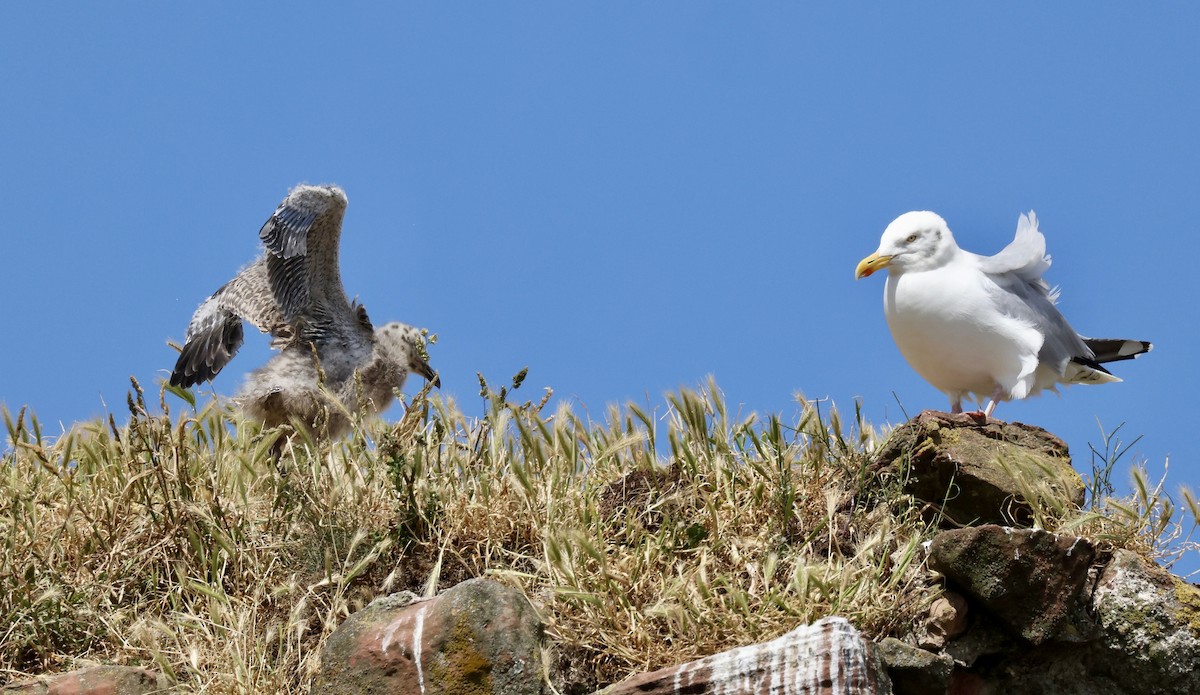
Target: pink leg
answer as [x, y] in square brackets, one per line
[997, 396]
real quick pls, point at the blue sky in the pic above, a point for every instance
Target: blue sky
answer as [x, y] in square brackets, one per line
[624, 197]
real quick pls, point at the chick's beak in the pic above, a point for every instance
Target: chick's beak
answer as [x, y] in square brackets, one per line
[422, 367]
[870, 264]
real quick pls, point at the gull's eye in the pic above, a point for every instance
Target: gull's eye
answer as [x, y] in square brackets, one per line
[911, 238]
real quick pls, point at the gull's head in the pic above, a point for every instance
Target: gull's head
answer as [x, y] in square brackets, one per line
[918, 240]
[406, 345]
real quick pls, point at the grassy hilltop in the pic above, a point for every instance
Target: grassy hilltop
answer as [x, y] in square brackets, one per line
[176, 541]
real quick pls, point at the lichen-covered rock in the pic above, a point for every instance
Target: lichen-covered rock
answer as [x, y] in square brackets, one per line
[915, 671]
[980, 473]
[95, 680]
[1151, 625]
[828, 657]
[477, 638]
[1031, 581]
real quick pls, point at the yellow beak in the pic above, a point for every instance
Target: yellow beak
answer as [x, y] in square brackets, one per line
[870, 264]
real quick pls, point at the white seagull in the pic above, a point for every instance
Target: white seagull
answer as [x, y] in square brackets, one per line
[983, 326]
[294, 292]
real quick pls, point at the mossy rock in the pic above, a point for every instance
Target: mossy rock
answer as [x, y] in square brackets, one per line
[974, 473]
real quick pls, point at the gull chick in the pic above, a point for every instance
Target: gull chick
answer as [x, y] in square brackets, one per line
[983, 326]
[328, 346]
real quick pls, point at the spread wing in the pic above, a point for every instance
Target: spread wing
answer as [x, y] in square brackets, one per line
[293, 292]
[301, 240]
[215, 331]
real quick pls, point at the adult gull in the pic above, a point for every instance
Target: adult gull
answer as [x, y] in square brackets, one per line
[983, 326]
[328, 346]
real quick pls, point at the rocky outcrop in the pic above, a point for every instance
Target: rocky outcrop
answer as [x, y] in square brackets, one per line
[95, 680]
[828, 657]
[976, 472]
[478, 638]
[1026, 611]
[1042, 618]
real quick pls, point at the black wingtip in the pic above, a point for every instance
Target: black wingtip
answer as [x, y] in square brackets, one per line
[191, 368]
[1117, 349]
[178, 378]
[204, 356]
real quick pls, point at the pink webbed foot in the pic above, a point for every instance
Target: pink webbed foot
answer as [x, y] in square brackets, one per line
[981, 416]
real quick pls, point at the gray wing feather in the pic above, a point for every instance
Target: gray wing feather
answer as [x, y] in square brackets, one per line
[286, 232]
[213, 340]
[288, 280]
[1029, 301]
[215, 334]
[302, 239]
[1020, 292]
[1025, 256]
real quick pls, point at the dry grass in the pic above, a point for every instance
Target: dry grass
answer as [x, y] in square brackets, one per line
[176, 541]
[1150, 521]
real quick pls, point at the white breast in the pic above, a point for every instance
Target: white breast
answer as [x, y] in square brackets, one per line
[944, 325]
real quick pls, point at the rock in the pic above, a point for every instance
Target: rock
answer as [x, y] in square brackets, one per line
[1048, 669]
[828, 657]
[984, 637]
[980, 473]
[1031, 581]
[1151, 625]
[947, 620]
[964, 683]
[95, 680]
[477, 638]
[1145, 640]
[915, 671]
